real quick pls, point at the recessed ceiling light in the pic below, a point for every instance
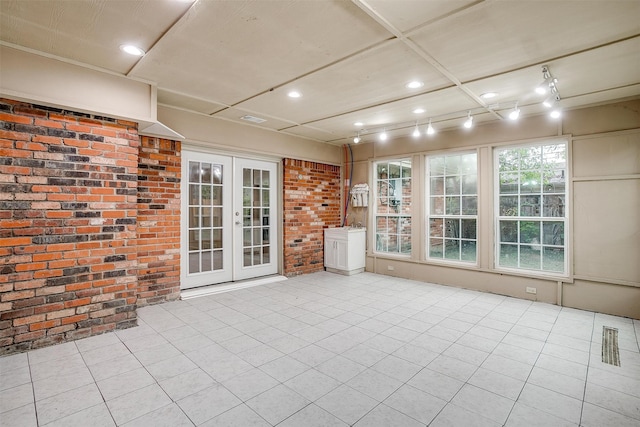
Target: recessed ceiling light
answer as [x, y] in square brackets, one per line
[418, 111]
[294, 94]
[132, 50]
[489, 95]
[358, 124]
[414, 84]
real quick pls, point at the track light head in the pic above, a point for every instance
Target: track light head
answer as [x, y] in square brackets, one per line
[383, 135]
[469, 122]
[515, 113]
[416, 131]
[430, 129]
[356, 139]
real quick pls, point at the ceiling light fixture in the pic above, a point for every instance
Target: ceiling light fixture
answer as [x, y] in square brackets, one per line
[356, 139]
[132, 50]
[418, 111]
[358, 124]
[548, 83]
[414, 84]
[430, 129]
[469, 122]
[489, 95]
[416, 131]
[515, 113]
[294, 94]
[383, 135]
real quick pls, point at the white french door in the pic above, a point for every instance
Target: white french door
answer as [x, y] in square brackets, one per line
[228, 231]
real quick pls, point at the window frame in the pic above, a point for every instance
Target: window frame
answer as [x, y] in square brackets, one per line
[458, 262]
[565, 218]
[377, 200]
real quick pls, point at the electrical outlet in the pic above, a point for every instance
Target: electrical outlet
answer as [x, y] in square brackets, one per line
[390, 267]
[531, 290]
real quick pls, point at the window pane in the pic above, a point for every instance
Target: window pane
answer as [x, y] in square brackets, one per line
[508, 255]
[194, 172]
[530, 257]
[206, 239]
[508, 205]
[530, 182]
[553, 259]
[468, 230]
[452, 165]
[508, 183]
[469, 184]
[217, 239]
[194, 262]
[530, 158]
[436, 227]
[437, 205]
[509, 231]
[468, 252]
[469, 205]
[452, 249]
[453, 206]
[452, 185]
[437, 186]
[436, 166]
[194, 217]
[206, 173]
[530, 232]
[436, 248]
[553, 206]
[530, 205]
[194, 194]
[452, 228]
[469, 164]
[553, 181]
[217, 174]
[553, 232]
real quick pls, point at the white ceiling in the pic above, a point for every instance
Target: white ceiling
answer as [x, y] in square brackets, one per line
[351, 60]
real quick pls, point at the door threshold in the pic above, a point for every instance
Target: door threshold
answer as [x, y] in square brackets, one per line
[231, 286]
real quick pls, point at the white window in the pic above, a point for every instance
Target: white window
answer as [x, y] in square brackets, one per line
[393, 206]
[452, 212]
[531, 211]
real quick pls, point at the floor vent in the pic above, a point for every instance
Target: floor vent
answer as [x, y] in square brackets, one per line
[610, 352]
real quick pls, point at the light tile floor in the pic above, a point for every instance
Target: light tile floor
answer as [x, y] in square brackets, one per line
[329, 350]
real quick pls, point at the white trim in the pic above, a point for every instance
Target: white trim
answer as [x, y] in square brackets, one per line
[217, 289]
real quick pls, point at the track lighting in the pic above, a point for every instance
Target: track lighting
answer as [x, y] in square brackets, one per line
[515, 113]
[430, 129]
[356, 139]
[416, 131]
[549, 81]
[383, 135]
[469, 122]
[556, 113]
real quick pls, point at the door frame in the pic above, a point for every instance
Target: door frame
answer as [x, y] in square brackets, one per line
[196, 148]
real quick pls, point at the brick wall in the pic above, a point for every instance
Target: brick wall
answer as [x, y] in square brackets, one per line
[158, 221]
[68, 187]
[311, 203]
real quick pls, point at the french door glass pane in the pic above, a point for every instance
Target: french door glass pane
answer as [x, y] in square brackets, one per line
[256, 202]
[205, 217]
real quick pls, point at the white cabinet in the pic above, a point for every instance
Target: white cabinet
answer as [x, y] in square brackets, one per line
[344, 250]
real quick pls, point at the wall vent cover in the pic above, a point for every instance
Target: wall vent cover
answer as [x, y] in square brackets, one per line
[610, 351]
[253, 119]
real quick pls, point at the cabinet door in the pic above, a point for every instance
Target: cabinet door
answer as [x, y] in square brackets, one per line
[342, 255]
[330, 253]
